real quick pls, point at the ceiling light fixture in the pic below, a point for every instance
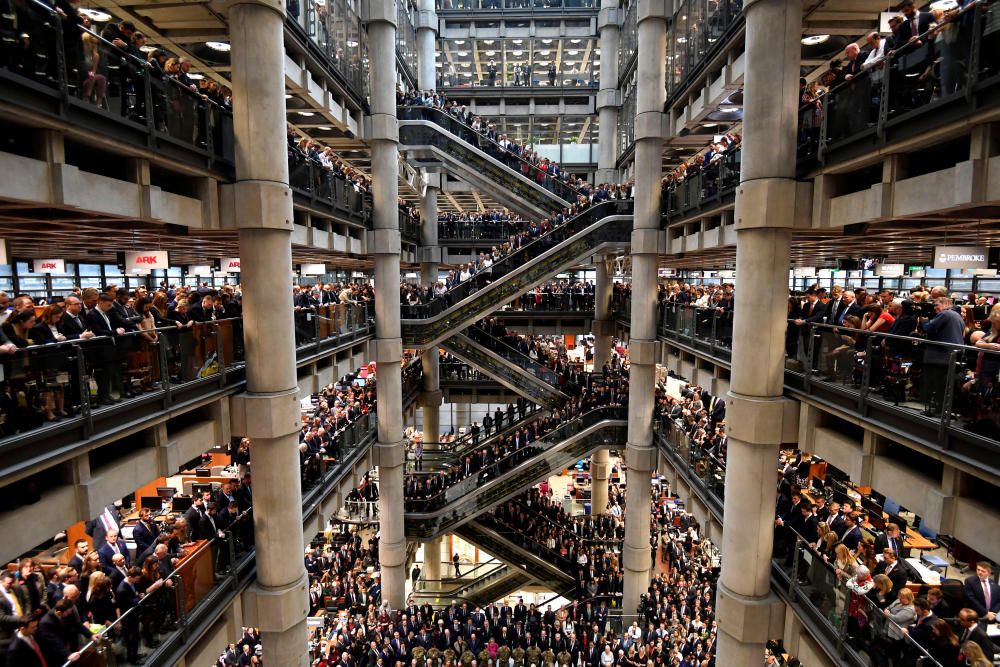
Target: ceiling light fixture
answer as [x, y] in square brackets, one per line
[307, 114]
[219, 46]
[813, 40]
[95, 14]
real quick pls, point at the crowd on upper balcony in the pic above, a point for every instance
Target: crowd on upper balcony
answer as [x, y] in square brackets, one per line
[709, 165]
[302, 149]
[336, 408]
[931, 57]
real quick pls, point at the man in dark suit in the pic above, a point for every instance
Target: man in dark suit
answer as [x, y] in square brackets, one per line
[813, 310]
[972, 631]
[73, 324]
[890, 539]
[894, 569]
[916, 24]
[107, 372]
[982, 593]
[10, 618]
[113, 545]
[145, 531]
[128, 597]
[920, 631]
[82, 549]
[193, 515]
[123, 317]
[59, 633]
[851, 536]
[24, 650]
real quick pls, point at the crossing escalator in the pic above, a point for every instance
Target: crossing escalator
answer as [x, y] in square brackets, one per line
[598, 228]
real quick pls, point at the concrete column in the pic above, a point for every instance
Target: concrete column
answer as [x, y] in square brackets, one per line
[431, 395]
[432, 564]
[427, 30]
[600, 466]
[608, 95]
[748, 612]
[640, 454]
[599, 462]
[268, 411]
[430, 258]
[383, 135]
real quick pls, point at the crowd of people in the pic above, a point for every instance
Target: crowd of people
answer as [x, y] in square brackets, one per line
[118, 330]
[714, 165]
[499, 224]
[303, 150]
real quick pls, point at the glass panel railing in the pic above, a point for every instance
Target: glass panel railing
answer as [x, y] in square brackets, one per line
[875, 100]
[74, 384]
[87, 73]
[504, 542]
[524, 362]
[518, 377]
[518, 7]
[519, 271]
[335, 29]
[703, 184]
[513, 171]
[309, 178]
[570, 442]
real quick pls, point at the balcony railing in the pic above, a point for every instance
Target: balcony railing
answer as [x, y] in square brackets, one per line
[518, 7]
[183, 364]
[68, 72]
[317, 185]
[335, 29]
[937, 393]
[714, 184]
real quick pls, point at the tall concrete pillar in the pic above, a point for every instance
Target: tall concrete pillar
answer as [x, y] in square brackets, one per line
[599, 462]
[640, 454]
[383, 135]
[427, 30]
[608, 96]
[432, 564]
[748, 613]
[430, 260]
[268, 412]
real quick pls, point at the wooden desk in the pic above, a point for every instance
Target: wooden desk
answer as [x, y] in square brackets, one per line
[915, 540]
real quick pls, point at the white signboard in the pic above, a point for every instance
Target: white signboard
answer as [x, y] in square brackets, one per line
[230, 265]
[49, 266]
[146, 259]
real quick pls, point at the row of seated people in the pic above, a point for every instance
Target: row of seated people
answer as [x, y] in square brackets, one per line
[425, 491]
[60, 611]
[122, 326]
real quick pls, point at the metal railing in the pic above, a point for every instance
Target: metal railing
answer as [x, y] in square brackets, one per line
[74, 73]
[311, 180]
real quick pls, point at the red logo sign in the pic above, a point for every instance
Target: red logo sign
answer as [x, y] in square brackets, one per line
[234, 265]
[146, 259]
[48, 265]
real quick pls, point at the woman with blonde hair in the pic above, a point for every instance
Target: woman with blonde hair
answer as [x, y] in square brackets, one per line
[974, 655]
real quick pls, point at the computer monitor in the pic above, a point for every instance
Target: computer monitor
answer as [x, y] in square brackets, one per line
[877, 521]
[165, 491]
[154, 503]
[360, 382]
[203, 472]
[181, 503]
[899, 521]
[890, 506]
[198, 489]
[869, 504]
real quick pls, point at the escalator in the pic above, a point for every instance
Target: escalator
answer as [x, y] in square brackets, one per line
[484, 583]
[537, 567]
[507, 366]
[432, 139]
[604, 226]
[560, 449]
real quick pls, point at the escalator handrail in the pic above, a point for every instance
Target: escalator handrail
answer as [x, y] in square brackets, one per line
[527, 361]
[537, 561]
[524, 374]
[531, 167]
[460, 445]
[517, 258]
[584, 431]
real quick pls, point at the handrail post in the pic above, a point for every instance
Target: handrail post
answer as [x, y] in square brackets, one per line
[182, 620]
[219, 354]
[164, 373]
[948, 399]
[866, 374]
[793, 584]
[84, 388]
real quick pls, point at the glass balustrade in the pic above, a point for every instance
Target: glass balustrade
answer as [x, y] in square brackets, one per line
[311, 180]
[570, 442]
[514, 356]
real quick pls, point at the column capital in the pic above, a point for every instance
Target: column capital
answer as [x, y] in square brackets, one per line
[427, 19]
[608, 18]
[262, 205]
[603, 328]
[640, 458]
[429, 254]
[648, 241]
[381, 127]
[756, 420]
[608, 97]
[651, 125]
[653, 10]
[276, 5]
[766, 202]
[384, 241]
[277, 609]
[265, 416]
[379, 11]
[748, 619]
[388, 350]
[430, 399]
[388, 454]
[643, 352]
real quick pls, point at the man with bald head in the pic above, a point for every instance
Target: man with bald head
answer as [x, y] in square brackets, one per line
[60, 631]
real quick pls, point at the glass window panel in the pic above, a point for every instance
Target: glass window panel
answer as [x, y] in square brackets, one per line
[90, 270]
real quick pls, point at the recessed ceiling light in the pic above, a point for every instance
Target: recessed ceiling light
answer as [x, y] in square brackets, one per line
[544, 53]
[195, 76]
[709, 124]
[572, 52]
[462, 54]
[287, 96]
[518, 53]
[813, 40]
[576, 41]
[351, 43]
[546, 41]
[488, 41]
[460, 42]
[517, 41]
[219, 46]
[95, 14]
[307, 114]
[324, 128]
